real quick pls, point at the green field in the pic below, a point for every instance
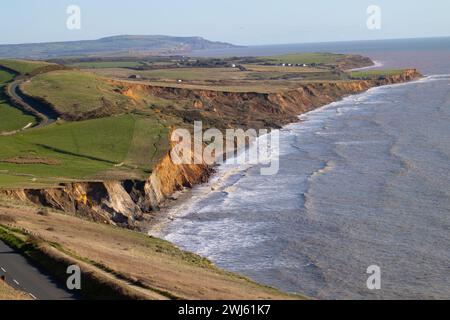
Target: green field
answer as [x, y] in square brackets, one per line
[307, 58]
[121, 146]
[5, 77]
[149, 143]
[10, 118]
[74, 92]
[22, 66]
[185, 74]
[253, 72]
[371, 74]
[108, 64]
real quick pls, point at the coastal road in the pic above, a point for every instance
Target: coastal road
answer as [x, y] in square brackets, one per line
[21, 275]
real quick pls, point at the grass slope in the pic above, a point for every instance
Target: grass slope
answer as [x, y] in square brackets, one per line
[23, 66]
[151, 264]
[149, 143]
[79, 150]
[74, 92]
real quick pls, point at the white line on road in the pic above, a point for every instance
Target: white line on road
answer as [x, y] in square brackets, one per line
[33, 296]
[3, 269]
[16, 282]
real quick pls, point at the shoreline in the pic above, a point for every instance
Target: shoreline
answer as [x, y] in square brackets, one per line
[162, 219]
[175, 208]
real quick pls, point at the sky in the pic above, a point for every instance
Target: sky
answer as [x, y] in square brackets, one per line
[244, 22]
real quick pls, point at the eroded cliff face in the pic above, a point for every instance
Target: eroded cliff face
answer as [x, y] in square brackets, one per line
[121, 203]
[221, 109]
[126, 202]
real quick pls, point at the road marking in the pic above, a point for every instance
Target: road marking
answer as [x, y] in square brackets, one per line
[16, 282]
[3, 269]
[33, 296]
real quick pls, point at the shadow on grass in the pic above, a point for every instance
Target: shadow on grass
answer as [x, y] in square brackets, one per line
[74, 154]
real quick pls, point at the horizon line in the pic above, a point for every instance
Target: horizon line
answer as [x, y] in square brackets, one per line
[241, 45]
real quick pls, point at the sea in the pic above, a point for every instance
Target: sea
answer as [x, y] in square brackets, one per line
[363, 182]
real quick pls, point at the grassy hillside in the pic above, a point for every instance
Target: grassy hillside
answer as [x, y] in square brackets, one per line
[120, 147]
[22, 66]
[81, 150]
[75, 92]
[153, 267]
[11, 118]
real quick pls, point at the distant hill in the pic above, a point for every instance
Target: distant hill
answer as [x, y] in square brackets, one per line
[111, 46]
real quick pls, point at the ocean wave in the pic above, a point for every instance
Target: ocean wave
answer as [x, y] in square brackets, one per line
[428, 78]
[405, 164]
[326, 167]
[342, 110]
[307, 196]
[223, 180]
[358, 142]
[234, 234]
[330, 133]
[439, 76]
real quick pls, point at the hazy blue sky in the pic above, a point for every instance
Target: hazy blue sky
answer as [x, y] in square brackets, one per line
[236, 21]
